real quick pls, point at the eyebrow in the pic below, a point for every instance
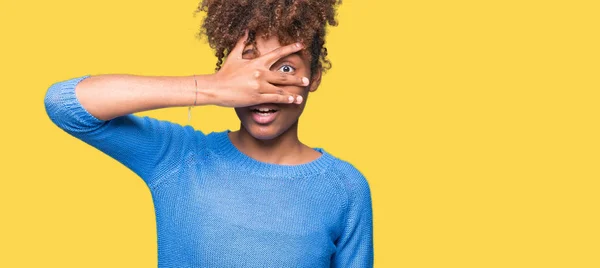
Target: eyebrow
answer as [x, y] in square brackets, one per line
[294, 58]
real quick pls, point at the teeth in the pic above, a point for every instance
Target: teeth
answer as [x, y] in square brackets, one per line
[264, 110]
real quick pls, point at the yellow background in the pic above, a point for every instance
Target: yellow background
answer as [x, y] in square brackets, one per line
[475, 122]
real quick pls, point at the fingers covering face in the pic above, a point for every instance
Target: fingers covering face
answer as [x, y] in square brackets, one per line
[271, 93]
[236, 52]
[278, 98]
[278, 53]
[279, 78]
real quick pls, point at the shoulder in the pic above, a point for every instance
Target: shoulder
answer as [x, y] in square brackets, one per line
[216, 140]
[353, 181]
[348, 170]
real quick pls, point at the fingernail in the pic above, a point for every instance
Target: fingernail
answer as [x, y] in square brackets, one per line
[299, 99]
[299, 45]
[291, 99]
[305, 81]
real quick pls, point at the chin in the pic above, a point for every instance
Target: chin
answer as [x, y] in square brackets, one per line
[263, 132]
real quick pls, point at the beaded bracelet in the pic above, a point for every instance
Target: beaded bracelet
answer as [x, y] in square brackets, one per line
[195, 99]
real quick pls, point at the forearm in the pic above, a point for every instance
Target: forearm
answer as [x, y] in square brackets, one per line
[111, 95]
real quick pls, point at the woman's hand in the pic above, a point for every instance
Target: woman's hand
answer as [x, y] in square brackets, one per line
[246, 82]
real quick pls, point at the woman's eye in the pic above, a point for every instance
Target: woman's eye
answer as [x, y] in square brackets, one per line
[286, 69]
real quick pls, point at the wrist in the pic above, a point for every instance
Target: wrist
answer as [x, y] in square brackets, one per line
[199, 90]
[204, 89]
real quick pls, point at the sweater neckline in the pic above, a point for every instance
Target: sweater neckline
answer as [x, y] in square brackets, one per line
[251, 165]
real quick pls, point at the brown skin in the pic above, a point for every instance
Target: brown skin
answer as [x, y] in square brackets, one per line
[264, 26]
[277, 142]
[246, 82]
[236, 85]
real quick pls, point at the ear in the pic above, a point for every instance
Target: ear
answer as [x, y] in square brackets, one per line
[315, 80]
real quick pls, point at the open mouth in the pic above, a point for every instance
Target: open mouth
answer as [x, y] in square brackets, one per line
[264, 111]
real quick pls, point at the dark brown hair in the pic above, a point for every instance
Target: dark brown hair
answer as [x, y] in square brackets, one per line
[290, 20]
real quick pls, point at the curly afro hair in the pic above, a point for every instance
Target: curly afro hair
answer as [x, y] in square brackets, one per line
[290, 20]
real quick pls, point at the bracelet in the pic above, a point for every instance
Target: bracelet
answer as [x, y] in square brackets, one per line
[195, 99]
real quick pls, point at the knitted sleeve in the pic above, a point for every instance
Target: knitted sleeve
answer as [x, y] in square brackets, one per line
[355, 245]
[147, 146]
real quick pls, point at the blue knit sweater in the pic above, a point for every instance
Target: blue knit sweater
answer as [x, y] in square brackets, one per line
[217, 207]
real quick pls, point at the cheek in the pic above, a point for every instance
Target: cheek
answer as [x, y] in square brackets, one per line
[298, 90]
[241, 113]
[293, 111]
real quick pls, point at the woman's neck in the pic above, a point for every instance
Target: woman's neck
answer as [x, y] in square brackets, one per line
[285, 149]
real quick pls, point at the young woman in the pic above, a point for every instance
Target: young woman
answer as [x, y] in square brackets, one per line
[255, 197]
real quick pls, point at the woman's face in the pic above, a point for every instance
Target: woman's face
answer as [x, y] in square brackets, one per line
[269, 120]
